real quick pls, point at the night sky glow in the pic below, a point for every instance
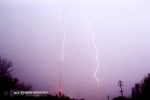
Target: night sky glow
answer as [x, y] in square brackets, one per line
[80, 47]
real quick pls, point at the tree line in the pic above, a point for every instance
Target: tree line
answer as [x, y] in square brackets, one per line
[140, 91]
[9, 83]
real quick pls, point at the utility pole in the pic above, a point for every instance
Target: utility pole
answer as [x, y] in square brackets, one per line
[108, 97]
[120, 83]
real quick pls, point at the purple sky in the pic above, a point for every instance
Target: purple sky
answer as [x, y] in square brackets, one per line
[31, 36]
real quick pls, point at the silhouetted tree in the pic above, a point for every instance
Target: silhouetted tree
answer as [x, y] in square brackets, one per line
[7, 82]
[121, 98]
[62, 96]
[136, 92]
[5, 66]
[141, 91]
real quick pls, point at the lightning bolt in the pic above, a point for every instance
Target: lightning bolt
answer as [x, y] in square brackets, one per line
[63, 44]
[97, 54]
[93, 34]
[88, 27]
[119, 21]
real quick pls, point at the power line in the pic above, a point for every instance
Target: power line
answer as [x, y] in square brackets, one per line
[120, 83]
[108, 97]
